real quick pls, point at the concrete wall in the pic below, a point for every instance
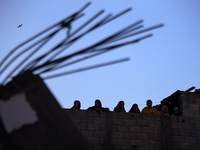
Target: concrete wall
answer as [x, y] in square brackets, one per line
[125, 131]
[190, 103]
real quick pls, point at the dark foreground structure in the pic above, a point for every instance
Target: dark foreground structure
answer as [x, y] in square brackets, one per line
[38, 122]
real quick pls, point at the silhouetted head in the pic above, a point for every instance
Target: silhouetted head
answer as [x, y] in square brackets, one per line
[77, 104]
[149, 103]
[134, 108]
[121, 104]
[97, 103]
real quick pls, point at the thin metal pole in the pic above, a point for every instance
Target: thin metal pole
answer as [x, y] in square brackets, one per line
[87, 68]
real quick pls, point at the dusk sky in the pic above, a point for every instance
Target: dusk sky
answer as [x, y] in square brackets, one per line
[158, 66]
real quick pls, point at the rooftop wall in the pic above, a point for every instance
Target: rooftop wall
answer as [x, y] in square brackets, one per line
[81, 129]
[190, 103]
[125, 131]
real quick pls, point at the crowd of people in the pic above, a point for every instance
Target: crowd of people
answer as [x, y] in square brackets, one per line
[135, 109]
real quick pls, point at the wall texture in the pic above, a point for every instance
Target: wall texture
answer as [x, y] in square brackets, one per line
[125, 131]
[190, 103]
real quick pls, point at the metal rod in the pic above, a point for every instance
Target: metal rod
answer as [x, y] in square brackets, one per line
[118, 15]
[23, 61]
[87, 68]
[62, 43]
[104, 50]
[147, 29]
[49, 62]
[81, 51]
[37, 35]
[72, 62]
[81, 27]
[122, 44]
[87, 22]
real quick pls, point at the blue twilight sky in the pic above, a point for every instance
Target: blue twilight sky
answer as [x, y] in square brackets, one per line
[158, 66]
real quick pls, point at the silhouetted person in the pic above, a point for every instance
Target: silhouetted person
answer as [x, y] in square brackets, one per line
[77, 104]
[134, 109]
[98, 106]
[149, 109]
[120, 107]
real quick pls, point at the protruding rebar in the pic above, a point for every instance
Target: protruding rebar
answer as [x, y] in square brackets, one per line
[51, 60]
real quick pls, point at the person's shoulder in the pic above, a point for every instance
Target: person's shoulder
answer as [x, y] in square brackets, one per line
[144, 108]
[116, 109]
[105, 109]
[91, 108]
[154, 108]
[131, 110]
